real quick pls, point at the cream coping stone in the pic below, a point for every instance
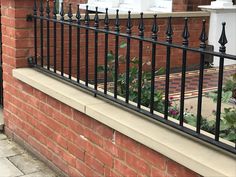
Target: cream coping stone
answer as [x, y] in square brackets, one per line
[193, 154]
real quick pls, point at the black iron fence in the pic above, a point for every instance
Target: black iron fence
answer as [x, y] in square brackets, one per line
[128, 88]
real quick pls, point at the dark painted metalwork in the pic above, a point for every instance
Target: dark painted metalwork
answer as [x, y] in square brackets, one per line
[35, 33]
[223, 40]
[106, 27]
[86, 23]
[62, 13]
[96, 25]
[117, 30]
[203, 39]
[41, 9]
[154, 38]
[140, 38]
[127, 81]
[48, 34]
[140, 63]
[169, 34]
[70, 15]
[55, 36]
[78, 16]
[185, 36]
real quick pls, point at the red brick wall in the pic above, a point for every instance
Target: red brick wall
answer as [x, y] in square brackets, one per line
[74, 142]
[78, 144]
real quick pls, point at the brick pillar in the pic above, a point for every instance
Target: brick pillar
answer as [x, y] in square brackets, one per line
[17, 44]
[17, 33]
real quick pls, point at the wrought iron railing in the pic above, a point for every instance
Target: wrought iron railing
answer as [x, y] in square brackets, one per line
[46, 59]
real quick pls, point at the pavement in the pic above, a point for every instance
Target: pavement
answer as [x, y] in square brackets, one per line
[17, 162]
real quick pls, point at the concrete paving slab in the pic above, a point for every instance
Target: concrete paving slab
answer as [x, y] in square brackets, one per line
[27, 163]
[40, 174]
[3, 137]
[9, 148]
[7, 169]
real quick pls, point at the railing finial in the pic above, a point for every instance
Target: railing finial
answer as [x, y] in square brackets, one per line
[62, 12]
[35, 7]
[203, 37]
[55, 9]
[86, 17]
[169, 31]
[141, 25]
[185, 34]
[41, 9]
[70, 14]
[129, 23]
[223, 39]
[78, 15]
[96, 19]
[154, 27]
[48, 9]
[117, 21]
[106, 20]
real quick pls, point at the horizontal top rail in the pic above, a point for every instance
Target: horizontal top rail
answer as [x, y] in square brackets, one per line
[145, 39]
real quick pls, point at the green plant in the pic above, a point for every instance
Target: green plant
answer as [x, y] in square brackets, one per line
[230, 84]
[228, 124]
[133, 76]
[226, 95]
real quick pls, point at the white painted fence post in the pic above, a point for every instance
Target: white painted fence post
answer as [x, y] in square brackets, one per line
[222, 11]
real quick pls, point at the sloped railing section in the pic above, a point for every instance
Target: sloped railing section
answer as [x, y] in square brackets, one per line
[74, 51]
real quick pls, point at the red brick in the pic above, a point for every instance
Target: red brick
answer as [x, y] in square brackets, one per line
[123, 169]
[157, 172]
[94, 164]
[114, 150]
[152, 157]
[127, 143]
[76, 151]
[84, 169]
[176, 170]
[138, 164]
[73, 172]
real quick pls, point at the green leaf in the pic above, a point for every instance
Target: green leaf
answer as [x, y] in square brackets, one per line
[101, 68]
[123, 45]
[110, 57]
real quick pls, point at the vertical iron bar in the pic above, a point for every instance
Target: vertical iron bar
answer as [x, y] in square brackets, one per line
[141, 34]
[62, 13]
[41, 31]
[203, 39]
[127, 81]
[222, 41]
[169, 34]
[106, 27]
[78, 16]
[117, 30]
[48, 34]
[70, 15]
[55, 36]
[154, 38]
[185, 36]
[35, 32]
[96, 25]
[86, 22]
